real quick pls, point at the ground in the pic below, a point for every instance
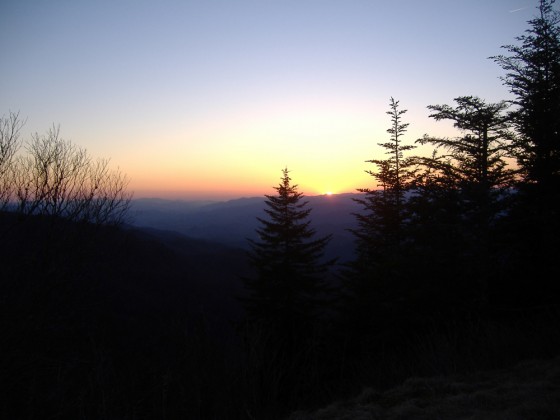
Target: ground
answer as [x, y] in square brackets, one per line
[530, 390]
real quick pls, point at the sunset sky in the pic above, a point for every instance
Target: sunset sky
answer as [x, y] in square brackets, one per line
[211, 99]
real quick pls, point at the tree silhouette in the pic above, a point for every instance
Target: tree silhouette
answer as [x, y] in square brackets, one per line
[284, 303]
[475, 162]
[466, 187]
[10, 143]
[56, 178]
[379, 235]
[286, 292]
[533, 76]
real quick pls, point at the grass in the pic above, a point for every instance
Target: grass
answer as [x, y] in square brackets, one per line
[529, 390]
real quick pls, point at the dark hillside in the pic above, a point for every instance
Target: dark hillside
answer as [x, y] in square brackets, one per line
[108, 323]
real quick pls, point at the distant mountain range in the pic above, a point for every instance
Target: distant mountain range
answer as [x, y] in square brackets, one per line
[233, 222]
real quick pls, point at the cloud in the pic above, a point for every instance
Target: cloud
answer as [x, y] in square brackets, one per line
[518, 10]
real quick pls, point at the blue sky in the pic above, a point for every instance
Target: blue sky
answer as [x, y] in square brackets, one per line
[213, 98]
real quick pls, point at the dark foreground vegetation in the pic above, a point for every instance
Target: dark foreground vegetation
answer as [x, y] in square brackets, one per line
[99, 322]
[110, 323]
[454, 272]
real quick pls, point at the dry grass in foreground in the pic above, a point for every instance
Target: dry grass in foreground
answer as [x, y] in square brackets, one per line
[530, 390]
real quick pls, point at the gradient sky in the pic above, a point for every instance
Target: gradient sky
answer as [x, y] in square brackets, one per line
[211, 99]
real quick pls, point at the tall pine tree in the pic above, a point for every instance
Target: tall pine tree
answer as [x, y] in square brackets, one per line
[286, 292]
[375, 281]
[457, 205]
[379, 235]
[284, 303]
[533, 77]
[476, 161]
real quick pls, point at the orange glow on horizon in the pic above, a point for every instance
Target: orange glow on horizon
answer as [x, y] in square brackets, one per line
[175, 184]
[241, 153]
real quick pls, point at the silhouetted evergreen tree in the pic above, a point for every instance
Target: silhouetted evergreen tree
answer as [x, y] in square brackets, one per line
[375, 278]
[379, 235]
[533, 229]
[284, 302]
[533, 76]
[467, 187]
[290, 270]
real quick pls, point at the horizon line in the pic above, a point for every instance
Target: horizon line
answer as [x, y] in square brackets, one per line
[227, 198]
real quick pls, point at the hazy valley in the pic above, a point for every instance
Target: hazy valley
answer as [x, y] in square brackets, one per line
[233, 222]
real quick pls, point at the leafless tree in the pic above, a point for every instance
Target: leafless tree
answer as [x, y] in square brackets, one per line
[10, 143]
[59, 179]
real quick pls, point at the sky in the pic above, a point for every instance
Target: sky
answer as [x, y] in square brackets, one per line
[211, 99]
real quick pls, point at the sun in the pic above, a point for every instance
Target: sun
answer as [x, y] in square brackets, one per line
[328, 193]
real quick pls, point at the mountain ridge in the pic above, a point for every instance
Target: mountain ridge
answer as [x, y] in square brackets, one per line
[232, 222]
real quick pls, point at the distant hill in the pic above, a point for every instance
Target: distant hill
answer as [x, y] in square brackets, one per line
[232, 222]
